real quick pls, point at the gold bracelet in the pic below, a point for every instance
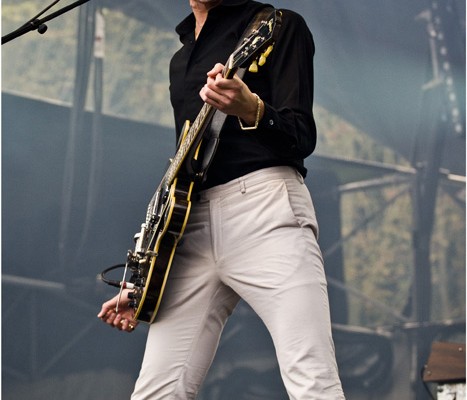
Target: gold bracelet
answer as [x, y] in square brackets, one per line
[258, 113]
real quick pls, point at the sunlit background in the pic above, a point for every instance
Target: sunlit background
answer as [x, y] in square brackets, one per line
[87, 130]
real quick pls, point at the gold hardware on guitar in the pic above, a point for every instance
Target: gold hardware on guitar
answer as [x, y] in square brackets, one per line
[261, 60]
[253, 67]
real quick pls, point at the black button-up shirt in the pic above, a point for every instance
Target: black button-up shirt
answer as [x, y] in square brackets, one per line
[287, 132]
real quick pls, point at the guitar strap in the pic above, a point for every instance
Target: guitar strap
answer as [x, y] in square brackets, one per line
[211, 137]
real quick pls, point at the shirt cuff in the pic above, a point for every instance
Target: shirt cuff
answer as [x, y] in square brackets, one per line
[269, 120]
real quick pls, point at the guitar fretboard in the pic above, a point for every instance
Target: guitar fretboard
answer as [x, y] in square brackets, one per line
[204, 116]
[201, 120]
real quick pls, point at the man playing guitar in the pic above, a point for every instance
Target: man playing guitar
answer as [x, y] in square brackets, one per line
[251, 233]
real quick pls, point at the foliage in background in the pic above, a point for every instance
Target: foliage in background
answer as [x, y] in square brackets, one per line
[378, 258]
[135, 64]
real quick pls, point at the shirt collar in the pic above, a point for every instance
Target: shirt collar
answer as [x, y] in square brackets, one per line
[187, 25]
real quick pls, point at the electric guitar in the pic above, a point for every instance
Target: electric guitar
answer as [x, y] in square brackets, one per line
[169, 209]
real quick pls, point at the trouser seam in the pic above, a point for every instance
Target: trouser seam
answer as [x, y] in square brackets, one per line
[196, 339]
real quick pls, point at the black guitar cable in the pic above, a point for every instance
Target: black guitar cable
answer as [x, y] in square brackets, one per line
[118, 284]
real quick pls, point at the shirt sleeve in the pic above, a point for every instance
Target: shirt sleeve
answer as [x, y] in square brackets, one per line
[288, 127]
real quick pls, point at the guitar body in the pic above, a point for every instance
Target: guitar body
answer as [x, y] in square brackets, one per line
[175, 209]
[159, 264]
[168, 212]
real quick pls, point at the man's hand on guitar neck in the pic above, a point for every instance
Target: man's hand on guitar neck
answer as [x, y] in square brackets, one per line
[231, 96]
[123, 319]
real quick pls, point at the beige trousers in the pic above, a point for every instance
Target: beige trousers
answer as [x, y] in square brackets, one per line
[253, 238]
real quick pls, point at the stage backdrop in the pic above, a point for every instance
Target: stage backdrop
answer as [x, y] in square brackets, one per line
[78, 171]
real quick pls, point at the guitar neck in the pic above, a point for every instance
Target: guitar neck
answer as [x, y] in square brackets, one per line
[198, 126]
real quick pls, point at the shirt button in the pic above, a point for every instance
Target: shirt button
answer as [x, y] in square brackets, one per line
[271, 122]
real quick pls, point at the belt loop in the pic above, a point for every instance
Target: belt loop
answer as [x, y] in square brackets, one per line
[242, 187]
